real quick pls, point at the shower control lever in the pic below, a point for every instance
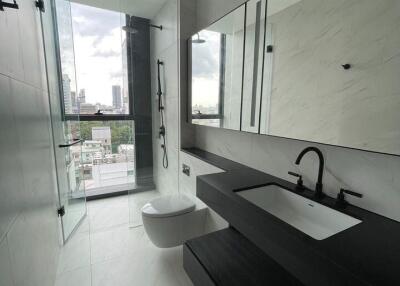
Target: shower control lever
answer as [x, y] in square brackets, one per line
[162, 130]
[299, 187]
[340, 199]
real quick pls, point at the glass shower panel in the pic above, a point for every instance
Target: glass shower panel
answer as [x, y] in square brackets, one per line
[67, 133]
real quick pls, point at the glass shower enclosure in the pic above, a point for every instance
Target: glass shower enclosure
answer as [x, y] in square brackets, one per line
[57, 32]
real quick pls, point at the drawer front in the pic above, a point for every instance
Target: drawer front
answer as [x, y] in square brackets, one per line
[194, 269]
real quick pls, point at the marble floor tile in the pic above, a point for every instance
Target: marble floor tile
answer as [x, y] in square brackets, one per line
[75, 253]
[108, 212]
[116, 242]
[148, 266]
[81, 276]
[112, 252]
[83, 226]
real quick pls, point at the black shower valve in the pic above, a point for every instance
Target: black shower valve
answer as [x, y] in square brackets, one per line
[162, 130]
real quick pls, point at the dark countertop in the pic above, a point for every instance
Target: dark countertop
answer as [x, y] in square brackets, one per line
[366, 254]
[231, 259]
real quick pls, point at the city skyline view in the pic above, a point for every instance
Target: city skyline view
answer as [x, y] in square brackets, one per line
[98, 52]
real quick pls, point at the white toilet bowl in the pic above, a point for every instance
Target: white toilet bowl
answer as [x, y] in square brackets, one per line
[171, 220]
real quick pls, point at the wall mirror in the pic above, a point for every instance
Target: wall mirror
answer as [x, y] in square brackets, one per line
[216, 68]
[333, 75]
[226, 69]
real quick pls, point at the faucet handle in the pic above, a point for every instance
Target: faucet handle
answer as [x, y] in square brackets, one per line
[299, 187]
[294, 174]
[340, 199]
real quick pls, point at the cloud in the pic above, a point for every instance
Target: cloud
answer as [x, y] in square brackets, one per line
[116, 74]
[95, 22]
[98, 53]
[106, 53]
[205, 60]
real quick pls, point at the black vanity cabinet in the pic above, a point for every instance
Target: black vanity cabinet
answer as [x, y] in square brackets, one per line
[226, 257]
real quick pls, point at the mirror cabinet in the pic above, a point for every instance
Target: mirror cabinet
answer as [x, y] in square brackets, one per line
[318, 71]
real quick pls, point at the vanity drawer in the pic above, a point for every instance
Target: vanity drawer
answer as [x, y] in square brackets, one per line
[228, 258]
[194, 269]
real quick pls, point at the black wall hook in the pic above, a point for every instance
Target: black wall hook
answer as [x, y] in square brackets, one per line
[13, 5]
[346, 66]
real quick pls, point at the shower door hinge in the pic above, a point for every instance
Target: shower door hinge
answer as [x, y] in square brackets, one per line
[40, 5]
[61, 211]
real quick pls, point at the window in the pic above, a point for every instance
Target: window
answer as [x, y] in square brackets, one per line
[97, 101]
[100, 49]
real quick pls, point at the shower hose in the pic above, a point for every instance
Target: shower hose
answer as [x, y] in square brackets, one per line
[162, 132]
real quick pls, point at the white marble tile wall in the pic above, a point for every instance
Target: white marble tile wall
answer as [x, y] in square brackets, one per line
[208, 11]
[164, 46]
[197, 168]
[313, 97]
[187, 184]
[29, 237]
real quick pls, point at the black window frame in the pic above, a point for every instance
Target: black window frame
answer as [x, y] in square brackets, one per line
[102, 116]
[221, 91]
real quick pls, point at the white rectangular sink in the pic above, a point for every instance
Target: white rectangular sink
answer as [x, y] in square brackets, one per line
[312, 218]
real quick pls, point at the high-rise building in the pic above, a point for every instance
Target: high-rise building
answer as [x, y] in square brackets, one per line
[66, 83]
[116, 96]
[102, 134]
[82, 96]
[73, 98]
[125, 81]
[87, 108]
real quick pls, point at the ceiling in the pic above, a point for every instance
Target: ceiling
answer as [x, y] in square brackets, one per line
[140, 8]
[275, 6]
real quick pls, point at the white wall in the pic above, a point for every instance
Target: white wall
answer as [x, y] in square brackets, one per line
[29, 238]
[164, 46]
[187, 185]
[374, 175]
[313, 97]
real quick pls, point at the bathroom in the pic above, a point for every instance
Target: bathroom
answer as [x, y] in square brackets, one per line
[199, 142]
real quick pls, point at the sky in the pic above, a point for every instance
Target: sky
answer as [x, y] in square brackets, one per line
[98, 53]
[205, 69]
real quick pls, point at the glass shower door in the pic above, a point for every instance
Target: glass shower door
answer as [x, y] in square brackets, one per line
[60, 64]
[70, 168]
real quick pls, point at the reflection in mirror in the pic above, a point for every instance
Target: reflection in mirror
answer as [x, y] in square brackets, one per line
[253, 68]
[334, 73]
[216, 72]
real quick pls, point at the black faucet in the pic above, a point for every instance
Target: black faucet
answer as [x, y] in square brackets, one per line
[318, 187]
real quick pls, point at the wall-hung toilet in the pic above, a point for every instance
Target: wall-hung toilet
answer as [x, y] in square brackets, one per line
[171, 220]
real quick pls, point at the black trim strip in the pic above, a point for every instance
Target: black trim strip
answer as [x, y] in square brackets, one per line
[243, 63]
[103, 117]
[206, 116]
[263, 66]
[255, 65]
